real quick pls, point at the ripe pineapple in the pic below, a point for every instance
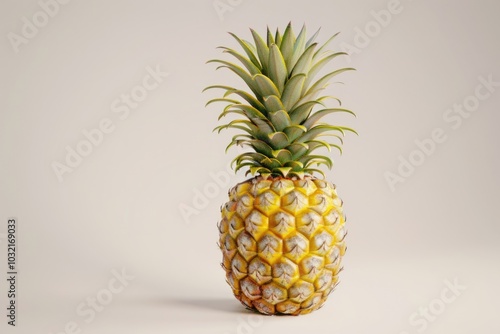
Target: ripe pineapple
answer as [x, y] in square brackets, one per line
[282, 231]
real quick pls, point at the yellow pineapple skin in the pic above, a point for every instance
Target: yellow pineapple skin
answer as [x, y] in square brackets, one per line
[282, 241]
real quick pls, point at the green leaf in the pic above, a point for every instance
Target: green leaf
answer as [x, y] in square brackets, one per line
[319, 65]
[317, 130]
[221, 100]
[277, 68]
[314, 170]
[299, 174]
[273, 103]
[345, 128]
[298, 47]
[249, 128]
[282, 155]
[316, 159]
[331, 97]
[239, 138]
[270, 163]
[294, 131]
[258, 170]
[315, 144]
[270, 38]
[248, 156]
[282, 171]
[262, 51]
[298, 114]
[311, 120]
[240, 135]
[230, 111]
[217, 86]
[305, 99]
[239, 71]
[296, 165]
[244, 164]
[286, 46]
[308, 97]
[278, 37]
[324, 80]
[297, 150]
[304, 63]
[249, 98]
[278, 140]
[280, 119]
[292, 91]
[248, 50]
[313, 38]
[245, 61]
[261, 147]
[264, 128]
[318, 53]
[338, 147]
[333, 135]
[250, 111]
[265, 86]
[235, 123]
[236, 142]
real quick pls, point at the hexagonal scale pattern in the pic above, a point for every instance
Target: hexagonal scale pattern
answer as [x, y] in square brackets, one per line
[300, 291]
[236, 225]
[282, 223]
[282, 241]
[270, 247]
[310, 267]
[274, 293]
[260, 271]
[294, 202]
[247, 246]
[322, 242]
[244, 206]
[295, 247]
[320, 202]
[285, 272]
[282, 186]
[267, 202]
[308, 222]
[256, 224]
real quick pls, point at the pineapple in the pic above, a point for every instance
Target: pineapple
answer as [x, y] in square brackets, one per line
[282, 231]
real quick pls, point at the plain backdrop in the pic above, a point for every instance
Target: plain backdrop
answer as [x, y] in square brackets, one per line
[120, 208]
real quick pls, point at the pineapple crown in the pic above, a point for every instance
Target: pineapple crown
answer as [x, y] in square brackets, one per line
[278, 119]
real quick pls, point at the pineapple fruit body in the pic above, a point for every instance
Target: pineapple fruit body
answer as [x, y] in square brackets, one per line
[282, 241]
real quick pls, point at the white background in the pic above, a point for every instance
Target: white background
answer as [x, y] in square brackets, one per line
[119, 208]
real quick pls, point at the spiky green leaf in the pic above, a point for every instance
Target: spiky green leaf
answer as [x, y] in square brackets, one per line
[319, 65]
[292, 91]
[265, 86]
[280, 119]
[294, 131]
[252, 69]
[277, 68]
[324, 80]
[298, 47]
[262, 51]
[278, 140]
[314, 118]
[286, 46]
[313, 38]
[273, 103]
[323, 47]
[304, 63]
[248, 50]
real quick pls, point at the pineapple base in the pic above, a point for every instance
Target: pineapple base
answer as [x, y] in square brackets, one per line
[282, 241]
